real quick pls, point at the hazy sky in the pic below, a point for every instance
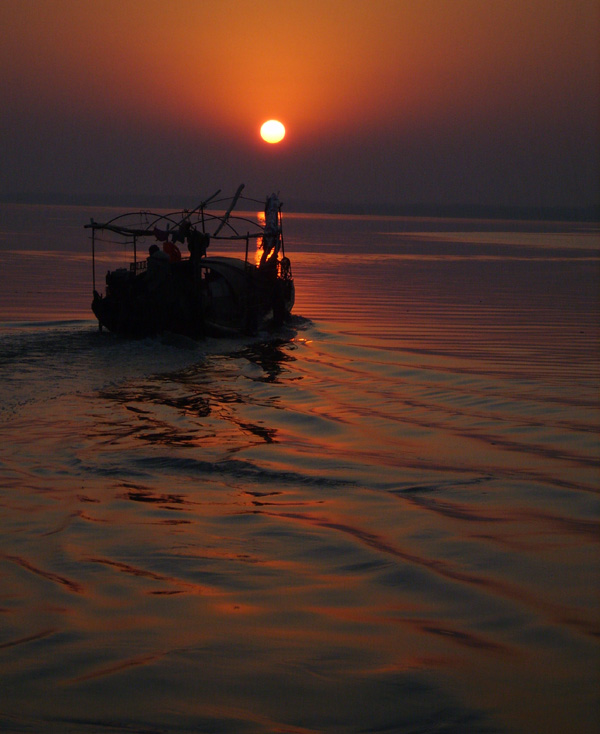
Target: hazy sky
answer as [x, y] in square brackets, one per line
[432, 101]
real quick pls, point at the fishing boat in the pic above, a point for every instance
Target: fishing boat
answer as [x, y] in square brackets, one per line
[178, 287]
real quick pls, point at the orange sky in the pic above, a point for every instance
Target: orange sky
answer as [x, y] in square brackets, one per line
[99, 90]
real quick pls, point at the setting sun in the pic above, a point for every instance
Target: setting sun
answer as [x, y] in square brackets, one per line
[272, 131]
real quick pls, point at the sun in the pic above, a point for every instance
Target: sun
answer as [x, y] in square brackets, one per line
[272, 131]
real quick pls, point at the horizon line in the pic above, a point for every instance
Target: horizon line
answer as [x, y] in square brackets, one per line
[557, 212]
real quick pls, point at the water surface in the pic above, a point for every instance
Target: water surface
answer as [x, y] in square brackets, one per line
[383, 518]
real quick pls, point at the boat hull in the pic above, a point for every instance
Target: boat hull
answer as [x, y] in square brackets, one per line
[217, 296]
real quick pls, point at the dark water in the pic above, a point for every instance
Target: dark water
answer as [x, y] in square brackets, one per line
[382, 519]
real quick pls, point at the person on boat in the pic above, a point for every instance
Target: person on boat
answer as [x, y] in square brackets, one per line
[172, 251]
[198, 243]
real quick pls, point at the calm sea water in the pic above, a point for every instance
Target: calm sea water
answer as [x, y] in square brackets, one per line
[382, 519]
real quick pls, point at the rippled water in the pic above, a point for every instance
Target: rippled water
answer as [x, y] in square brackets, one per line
[382, 519]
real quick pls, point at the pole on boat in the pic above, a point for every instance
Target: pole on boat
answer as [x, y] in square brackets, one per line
[228, 212]
[91, 224]
[135, 253]
[197, 307]
[205, 202]
[249, 321]
[201, 206]
[280, 218]
[93, 255]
